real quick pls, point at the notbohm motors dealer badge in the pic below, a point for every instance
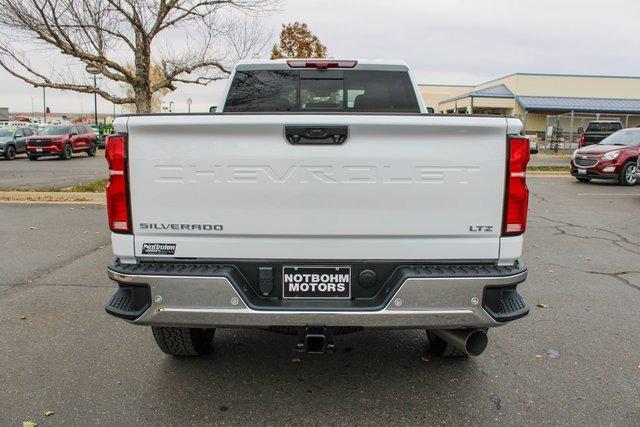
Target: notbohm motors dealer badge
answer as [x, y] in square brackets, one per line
[158, 248]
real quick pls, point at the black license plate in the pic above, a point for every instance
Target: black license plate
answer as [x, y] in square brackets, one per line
[316, 282]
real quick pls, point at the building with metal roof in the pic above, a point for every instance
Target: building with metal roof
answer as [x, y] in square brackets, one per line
[579, 105]
[497, 91]
[535, 98]
[4, 114]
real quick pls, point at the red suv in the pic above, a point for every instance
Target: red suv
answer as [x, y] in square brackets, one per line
[614, 158]
[62, 141]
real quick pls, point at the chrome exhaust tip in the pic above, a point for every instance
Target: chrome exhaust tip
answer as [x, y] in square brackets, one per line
[461, 342]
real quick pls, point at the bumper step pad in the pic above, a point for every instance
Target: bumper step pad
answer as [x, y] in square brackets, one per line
[415, 271]
[129, 302]
[504, 304]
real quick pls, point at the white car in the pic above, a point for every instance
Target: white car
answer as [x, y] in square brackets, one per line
[320, 199]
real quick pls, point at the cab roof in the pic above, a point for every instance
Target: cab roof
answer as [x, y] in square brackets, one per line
[360, 64]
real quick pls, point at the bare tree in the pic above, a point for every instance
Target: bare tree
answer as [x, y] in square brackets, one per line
[248, 38]
[189, 41]
[155, 76]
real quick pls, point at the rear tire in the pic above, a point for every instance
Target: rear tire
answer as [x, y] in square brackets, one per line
[584, 179]
[67, 152]
[31, 157]
[628, 174]
[91, 151]
[183, 341]
[10, 152]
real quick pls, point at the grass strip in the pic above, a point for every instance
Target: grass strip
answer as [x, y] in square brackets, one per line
[98, 186]
[548, 169]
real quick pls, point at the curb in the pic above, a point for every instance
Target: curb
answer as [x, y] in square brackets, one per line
[53, 197]
[547, 175]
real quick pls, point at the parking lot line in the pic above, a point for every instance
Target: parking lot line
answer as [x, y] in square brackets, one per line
[609, 194]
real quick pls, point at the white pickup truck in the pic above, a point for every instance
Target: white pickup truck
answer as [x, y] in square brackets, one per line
[321, 199]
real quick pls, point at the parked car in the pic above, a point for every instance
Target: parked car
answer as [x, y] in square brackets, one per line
[99, 134]
[613, 158]
[62, 141]
[13, 141]
[34, 128]
[598, 130]
[372, 212]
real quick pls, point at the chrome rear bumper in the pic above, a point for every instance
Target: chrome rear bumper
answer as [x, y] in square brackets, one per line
[196, 301]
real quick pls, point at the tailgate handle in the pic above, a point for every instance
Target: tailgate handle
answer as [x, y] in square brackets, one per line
[309, 135]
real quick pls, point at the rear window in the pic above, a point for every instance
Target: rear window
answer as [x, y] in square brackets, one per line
[322, 91]
[603, 127]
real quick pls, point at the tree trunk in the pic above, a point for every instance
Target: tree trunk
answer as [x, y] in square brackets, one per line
[142, 95]
[142, 88]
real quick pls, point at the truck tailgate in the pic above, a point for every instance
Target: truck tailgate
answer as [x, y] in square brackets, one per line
[402, 187]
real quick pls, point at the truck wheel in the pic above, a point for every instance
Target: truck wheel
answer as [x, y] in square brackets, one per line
[183, 341]
[628, 174]
[67, 152]
[10, 152]
[91, 151]
[31, 157]
[584, 179]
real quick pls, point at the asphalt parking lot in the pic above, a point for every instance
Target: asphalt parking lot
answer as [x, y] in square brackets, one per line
[50, 172]
[577, 361]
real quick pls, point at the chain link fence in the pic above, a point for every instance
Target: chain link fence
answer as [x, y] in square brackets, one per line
[567, 128]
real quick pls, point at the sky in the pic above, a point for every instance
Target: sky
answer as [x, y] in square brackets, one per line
[444, 42]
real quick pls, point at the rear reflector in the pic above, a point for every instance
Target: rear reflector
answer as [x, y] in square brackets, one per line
[117, 197]
[321, 64]
[517, 193]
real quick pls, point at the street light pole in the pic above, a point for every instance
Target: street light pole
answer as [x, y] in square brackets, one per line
[94, 71]
[44, 104]
[95, 101]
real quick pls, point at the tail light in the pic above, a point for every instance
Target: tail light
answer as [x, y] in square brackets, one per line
[583, 140]
[117, 188]
[517, 193]
[321, 64]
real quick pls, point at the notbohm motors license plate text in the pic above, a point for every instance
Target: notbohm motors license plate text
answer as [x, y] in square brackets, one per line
[316, 282]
